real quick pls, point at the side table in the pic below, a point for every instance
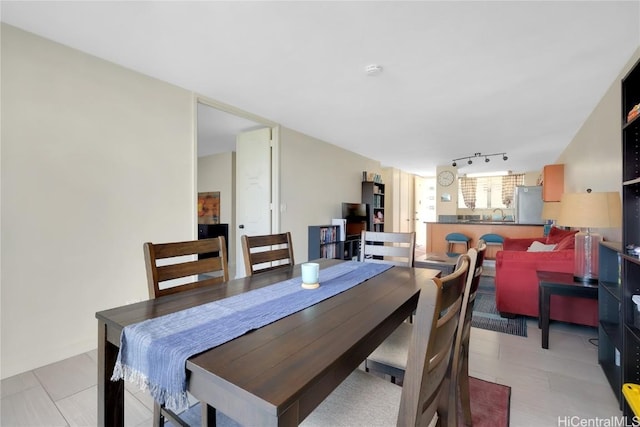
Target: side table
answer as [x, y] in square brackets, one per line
[445, 262]
[553, 283]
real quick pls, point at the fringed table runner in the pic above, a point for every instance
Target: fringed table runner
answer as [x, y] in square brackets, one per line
[153, 353]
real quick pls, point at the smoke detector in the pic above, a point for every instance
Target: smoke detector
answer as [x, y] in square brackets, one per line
[373, 69]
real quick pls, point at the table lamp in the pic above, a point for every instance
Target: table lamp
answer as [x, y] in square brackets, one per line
[550, 211]
[589, 210]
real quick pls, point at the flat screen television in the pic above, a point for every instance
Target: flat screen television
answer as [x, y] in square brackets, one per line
[355, 210]
[357, 216]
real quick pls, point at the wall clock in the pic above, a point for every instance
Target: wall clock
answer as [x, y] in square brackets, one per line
[445, 178]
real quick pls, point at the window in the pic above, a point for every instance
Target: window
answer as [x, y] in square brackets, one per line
[488, 191]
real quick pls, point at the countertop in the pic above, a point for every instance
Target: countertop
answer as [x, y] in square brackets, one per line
[474, 229]
[480, 222]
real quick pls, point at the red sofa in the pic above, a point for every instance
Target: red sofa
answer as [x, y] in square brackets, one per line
[517, 283]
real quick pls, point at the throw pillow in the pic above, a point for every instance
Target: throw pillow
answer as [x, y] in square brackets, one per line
[568, 242]
[540, 247]
[556, 235]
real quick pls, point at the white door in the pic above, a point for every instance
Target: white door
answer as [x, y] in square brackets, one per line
[421, 211]
[406, 203]
[253, 188]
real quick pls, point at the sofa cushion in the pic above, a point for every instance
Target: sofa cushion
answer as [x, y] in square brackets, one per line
[540, 247]
[568, 242]
[556, 235]
[520, 244]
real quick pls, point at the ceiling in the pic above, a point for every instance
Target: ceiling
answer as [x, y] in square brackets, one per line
[458, 77]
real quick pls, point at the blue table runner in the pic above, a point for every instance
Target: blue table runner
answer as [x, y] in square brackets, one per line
[153, 353]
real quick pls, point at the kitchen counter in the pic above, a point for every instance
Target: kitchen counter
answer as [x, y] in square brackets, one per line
[487, 222]
[436, 232]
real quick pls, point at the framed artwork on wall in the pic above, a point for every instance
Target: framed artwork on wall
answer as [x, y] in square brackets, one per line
[209, 207]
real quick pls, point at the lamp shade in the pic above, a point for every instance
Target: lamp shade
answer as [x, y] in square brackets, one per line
[551, 210]
[590, 210]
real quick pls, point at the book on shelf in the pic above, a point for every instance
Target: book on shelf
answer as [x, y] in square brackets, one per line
[342, 228]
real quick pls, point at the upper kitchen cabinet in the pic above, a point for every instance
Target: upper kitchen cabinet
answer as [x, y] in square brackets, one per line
[552, 182]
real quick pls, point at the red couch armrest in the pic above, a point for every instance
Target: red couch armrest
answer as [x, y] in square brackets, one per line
[521, 244]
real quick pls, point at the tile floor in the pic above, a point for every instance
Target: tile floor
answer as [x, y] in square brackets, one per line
[547, 385]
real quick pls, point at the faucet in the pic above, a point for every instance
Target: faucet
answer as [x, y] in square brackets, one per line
[501, 213]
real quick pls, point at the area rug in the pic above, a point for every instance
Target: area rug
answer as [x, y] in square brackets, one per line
[486, 316]
[490, 407]
[490, 403]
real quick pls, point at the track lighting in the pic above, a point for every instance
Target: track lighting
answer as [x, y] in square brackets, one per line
[454, 163]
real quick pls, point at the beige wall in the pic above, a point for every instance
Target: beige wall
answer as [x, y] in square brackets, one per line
[315, 178]
[216, 173]
[96, 160]
[593, 159]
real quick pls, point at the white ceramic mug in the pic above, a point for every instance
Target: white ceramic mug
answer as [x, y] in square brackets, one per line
[310, 273]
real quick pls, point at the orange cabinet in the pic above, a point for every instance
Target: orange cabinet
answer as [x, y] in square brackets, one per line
[552, 182]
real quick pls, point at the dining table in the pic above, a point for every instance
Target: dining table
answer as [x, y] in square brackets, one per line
[277, 374]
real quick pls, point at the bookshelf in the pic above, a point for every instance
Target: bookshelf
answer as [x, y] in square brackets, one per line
[324, 242]
[373, 195]
[610, 315]
[630, 262]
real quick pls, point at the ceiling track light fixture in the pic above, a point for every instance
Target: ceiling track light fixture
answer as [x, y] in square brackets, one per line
[454, 163]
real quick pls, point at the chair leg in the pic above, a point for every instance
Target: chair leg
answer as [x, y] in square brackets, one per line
[208, 415]
[158, 419]
[465, 396]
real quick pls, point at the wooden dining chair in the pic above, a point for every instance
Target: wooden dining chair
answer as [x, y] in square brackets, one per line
[365, 399]
[459, 376]
[388, 248]
[178, 267]
[179, 271]
[267, 252]
[389, 358]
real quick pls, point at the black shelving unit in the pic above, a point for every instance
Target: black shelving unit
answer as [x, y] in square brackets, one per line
[373, 195]
[324, 242]
[610, 315]
[630, 262]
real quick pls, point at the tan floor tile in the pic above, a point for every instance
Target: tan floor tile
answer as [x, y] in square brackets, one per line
[30, 408]
[67, 377]
[18, 383]
[81, 409]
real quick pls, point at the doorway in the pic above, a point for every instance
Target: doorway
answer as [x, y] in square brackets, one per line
[425, 207]
[217, 129]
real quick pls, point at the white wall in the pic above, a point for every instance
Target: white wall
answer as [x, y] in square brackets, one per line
[96, 160]
[593, 159]
[315, 178]
[216, 173]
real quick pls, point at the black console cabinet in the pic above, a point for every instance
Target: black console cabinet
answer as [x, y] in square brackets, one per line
[208, 231]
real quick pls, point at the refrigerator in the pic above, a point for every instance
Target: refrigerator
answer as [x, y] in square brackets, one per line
[528, 204]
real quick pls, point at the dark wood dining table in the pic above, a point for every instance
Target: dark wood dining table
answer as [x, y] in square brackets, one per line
[275, 375]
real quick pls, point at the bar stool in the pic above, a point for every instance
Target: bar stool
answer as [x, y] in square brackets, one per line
[457, 239]
[492, 240]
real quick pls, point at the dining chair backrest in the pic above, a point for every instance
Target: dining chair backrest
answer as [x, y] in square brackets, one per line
[432, 339]
[476, 258]
[267, 252]
[388, 248]
[180, 266]
[459, 372]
